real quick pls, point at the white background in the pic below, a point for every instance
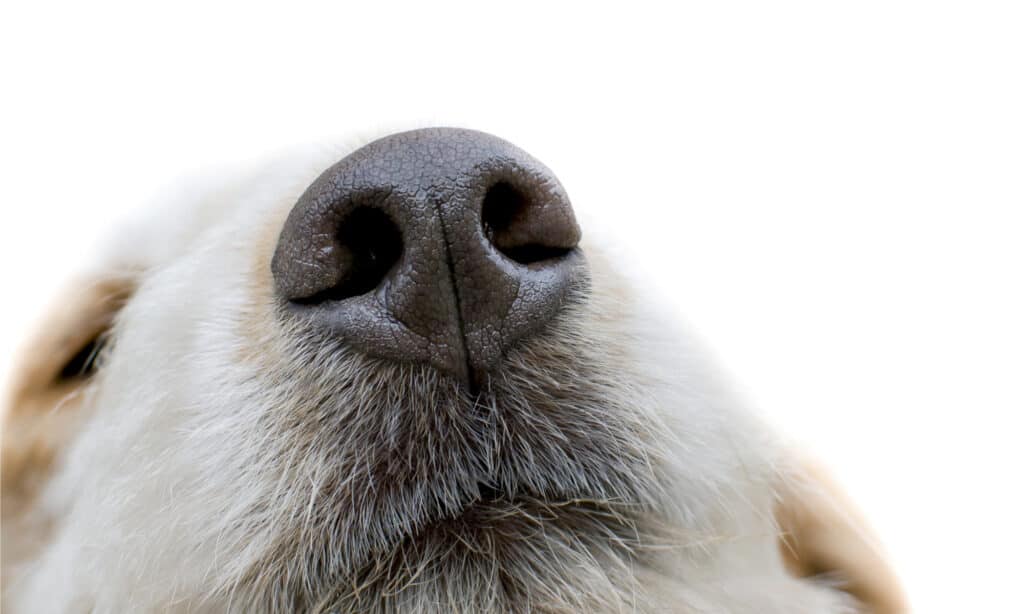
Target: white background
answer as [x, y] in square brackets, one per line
[830, 194]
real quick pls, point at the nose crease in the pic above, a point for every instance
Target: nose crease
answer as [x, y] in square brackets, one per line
[466, 366]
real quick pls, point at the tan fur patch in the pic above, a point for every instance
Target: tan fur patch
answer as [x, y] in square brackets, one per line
[42, 410]
[823, 534]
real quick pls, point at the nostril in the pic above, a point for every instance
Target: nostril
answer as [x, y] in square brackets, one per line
[502, 204]
[512, 223]
[368, 244]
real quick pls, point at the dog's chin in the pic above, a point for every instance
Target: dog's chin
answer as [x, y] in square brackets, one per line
[483, 469]
[411, 468]
[513, 543]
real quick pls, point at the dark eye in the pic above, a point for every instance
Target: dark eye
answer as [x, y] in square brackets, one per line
[83, 363]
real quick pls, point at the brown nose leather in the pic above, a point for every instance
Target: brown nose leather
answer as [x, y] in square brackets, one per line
[440, 245]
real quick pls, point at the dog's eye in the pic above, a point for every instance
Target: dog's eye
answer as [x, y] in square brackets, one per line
[83, 363]
[70, 347]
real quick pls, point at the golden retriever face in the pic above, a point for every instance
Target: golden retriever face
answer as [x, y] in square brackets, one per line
[398, 384]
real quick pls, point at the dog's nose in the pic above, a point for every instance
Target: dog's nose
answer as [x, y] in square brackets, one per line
[440, 245]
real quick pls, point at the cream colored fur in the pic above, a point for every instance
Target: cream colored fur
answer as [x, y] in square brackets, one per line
[197, 479]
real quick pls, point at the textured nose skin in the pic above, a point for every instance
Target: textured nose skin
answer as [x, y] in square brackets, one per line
[440, 245]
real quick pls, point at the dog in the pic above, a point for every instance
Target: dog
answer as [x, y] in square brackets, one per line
[405, 383]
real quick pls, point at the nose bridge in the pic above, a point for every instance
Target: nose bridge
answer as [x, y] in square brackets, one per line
[456, 296]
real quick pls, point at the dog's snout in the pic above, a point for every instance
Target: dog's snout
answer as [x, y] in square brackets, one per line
[439, 245]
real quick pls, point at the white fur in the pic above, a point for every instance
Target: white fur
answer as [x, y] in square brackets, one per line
[154, 500]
